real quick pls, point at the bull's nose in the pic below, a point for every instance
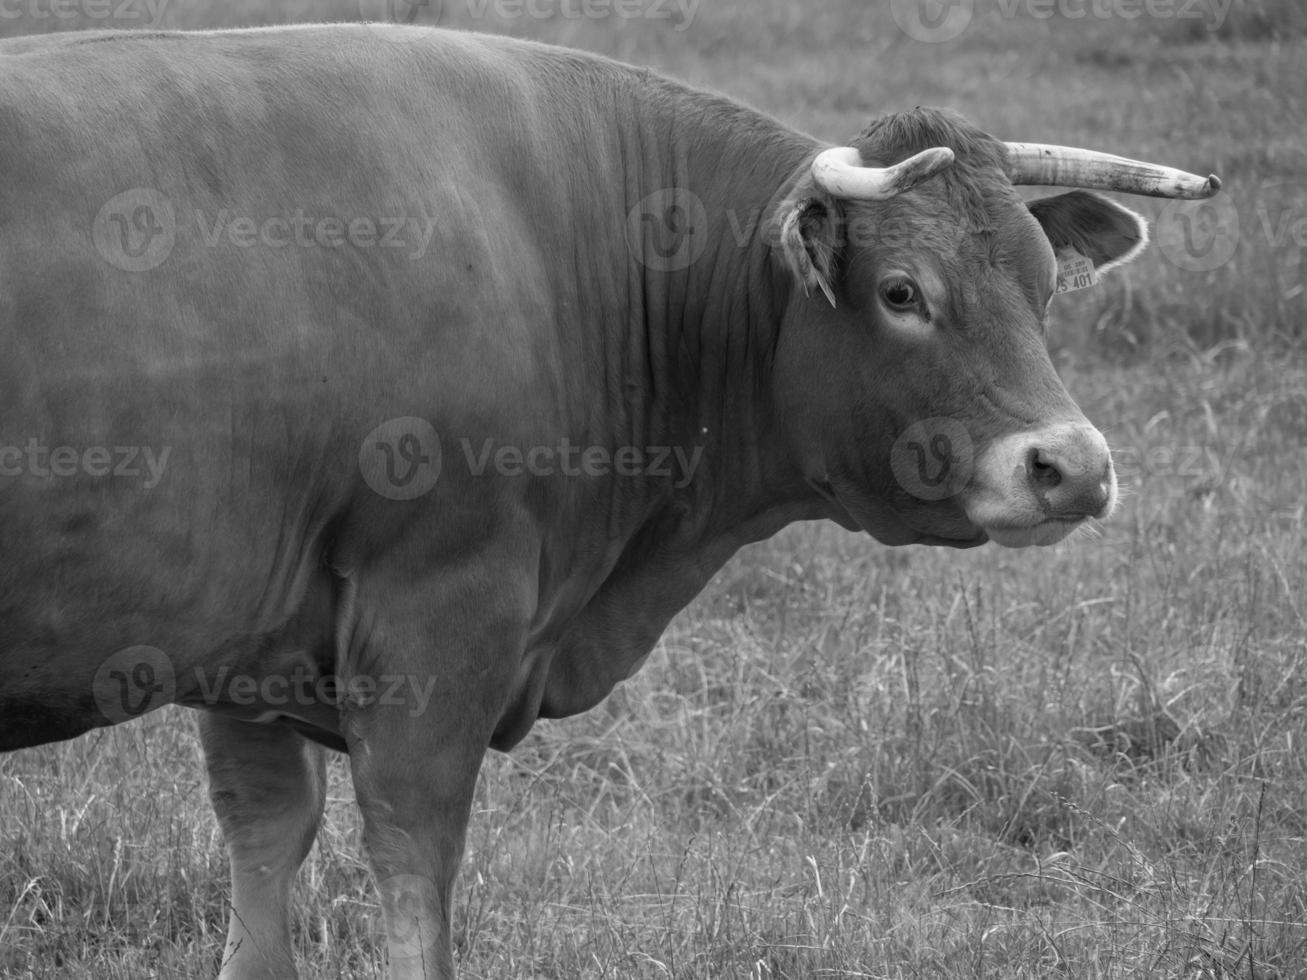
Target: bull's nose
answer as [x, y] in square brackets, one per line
[1071, 475]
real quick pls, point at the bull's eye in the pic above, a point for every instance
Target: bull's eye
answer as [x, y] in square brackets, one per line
[900, 293]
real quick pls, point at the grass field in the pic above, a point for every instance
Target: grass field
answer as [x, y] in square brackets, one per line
[843, 760]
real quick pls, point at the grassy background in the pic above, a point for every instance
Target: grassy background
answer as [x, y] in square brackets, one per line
[844, 760]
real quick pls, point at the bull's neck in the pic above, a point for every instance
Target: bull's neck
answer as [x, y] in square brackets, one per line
[708, 301]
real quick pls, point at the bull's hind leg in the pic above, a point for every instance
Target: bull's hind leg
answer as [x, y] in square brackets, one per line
[268, 786]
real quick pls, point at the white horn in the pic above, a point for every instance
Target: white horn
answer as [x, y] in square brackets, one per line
[1068, 166]
[840, 173]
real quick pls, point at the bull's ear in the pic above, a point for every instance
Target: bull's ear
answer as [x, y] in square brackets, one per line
[809, 239]
[1101, 230]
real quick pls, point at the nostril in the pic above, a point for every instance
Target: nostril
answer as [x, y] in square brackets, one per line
[1042, 472]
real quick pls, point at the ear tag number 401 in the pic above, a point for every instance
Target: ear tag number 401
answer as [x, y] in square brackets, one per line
[1074, 271]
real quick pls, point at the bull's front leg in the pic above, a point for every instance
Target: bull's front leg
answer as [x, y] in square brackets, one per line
[424, 683]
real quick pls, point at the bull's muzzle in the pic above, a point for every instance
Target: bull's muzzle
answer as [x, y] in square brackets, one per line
[1034, 488]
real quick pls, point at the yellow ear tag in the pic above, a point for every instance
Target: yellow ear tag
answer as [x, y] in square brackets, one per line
[1074, 271]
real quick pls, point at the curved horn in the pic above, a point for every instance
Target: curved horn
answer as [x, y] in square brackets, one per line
[1068, 166]
[839, 172]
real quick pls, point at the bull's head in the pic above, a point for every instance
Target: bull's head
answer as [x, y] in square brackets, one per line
[921, 399]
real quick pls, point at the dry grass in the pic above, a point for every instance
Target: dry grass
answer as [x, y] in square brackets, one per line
[844, 760]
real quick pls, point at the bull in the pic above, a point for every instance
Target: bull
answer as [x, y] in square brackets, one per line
[460, 364]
